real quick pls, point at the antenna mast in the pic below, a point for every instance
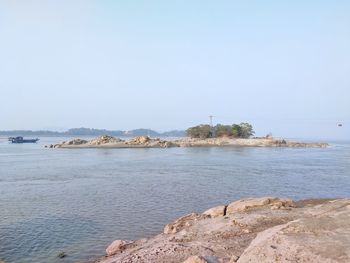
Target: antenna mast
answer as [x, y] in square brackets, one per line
[211, 120]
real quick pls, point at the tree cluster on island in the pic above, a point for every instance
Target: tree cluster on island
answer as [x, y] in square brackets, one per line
[204, 131]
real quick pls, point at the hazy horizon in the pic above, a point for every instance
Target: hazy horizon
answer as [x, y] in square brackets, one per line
[284, 67]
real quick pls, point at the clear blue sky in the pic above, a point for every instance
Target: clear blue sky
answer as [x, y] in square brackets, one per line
[284, 66]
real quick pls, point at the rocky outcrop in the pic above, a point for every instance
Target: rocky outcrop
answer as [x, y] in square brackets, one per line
[75, 142]
[321, 238]
[147, 142]
[112, 142]
[265, 229]
[245, 204]
[105, 139]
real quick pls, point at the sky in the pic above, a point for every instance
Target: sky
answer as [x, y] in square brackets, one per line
[283, 66]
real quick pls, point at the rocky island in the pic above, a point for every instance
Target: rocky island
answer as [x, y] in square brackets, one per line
[267, 229]
[147, 142]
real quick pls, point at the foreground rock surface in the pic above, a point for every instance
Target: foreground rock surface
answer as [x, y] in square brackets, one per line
[147, 142]
[196, 259]
[254, 230]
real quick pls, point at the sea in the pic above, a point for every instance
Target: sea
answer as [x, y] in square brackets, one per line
[78, 201]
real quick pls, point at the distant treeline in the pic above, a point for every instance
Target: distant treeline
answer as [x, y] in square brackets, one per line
[94, 132]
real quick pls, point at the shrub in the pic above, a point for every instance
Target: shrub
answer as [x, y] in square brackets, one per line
[202, 131]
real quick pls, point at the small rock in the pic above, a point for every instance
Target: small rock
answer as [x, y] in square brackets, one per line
[275, 207]
[117, 246]
[166, 144]
[195, 259]
[61, 255]
[234, 259]
[246, 231]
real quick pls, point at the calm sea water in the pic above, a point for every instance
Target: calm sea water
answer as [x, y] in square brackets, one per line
[78, 201]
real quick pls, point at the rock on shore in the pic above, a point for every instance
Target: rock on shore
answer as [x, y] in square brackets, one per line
[265, 229]
[147, 142]
[112, 142]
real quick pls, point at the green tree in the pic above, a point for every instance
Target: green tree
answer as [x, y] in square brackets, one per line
[236, 130]
[223, 130]
[202, 131]
[246, 130]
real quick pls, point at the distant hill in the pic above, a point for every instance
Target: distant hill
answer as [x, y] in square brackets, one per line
[142, 132]
[95, 132]
[175, 133]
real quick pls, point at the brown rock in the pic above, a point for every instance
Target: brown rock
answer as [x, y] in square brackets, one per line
[141, 140]
[105, 139]
[166, 144]
[182, 223]
[75, 142]
[249, 203]
[117, 246]
[322, 238]
[234, 259]
[317, 231]
[216, 211]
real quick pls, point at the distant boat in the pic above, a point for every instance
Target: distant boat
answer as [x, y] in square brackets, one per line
[340, 125]
[20, 139]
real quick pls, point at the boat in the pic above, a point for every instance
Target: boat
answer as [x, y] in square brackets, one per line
[20, 139]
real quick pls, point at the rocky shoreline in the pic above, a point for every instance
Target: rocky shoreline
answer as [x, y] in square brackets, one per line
[147, 142]
[267, 229]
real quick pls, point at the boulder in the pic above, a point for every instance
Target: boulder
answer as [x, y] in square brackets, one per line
[117, 246]
[315, 231]
[234, 258]
[216, 211]
[104, 140]
[322, 238]
[139, 140]
[166, 144]
[75, 142]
